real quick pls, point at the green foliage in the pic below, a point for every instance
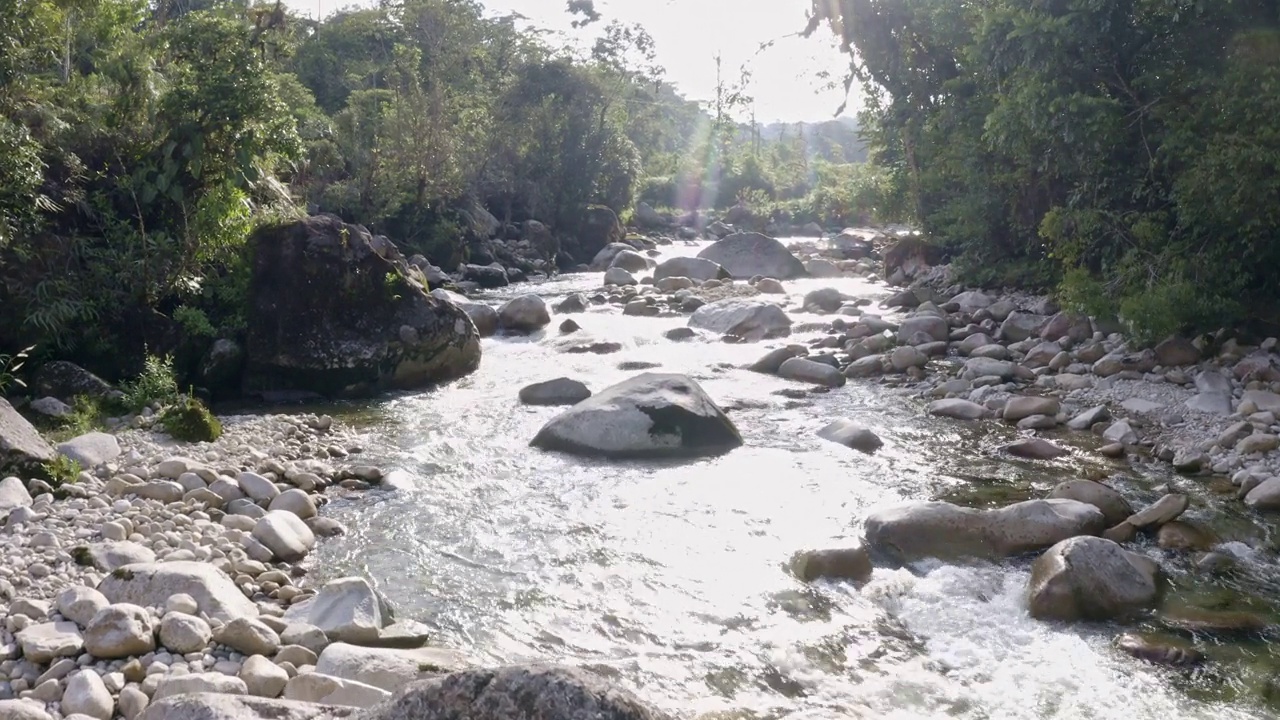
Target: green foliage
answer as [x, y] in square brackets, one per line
[10, 366]
[155, 385]
[191, 421]
[86, 415]
[1143, 179]
[61, 470]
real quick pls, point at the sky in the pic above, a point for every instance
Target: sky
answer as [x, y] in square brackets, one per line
[688, 34]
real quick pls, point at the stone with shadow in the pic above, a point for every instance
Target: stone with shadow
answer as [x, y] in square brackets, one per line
[653, 415]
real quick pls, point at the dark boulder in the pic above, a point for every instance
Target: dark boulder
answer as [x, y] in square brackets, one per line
[65, 380]
[486, 276]
[745, 255]
[598, 227]
[335, 310]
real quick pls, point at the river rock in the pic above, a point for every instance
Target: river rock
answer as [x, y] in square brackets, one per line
[1034, 448]
[1089, 578]
[212, 706]
[185, 633]
[314, 687]
[151, 584]
[976, 367]
[87, 695]
[488, 276]
[749, 319]
[1115, 509]
[745, 255]
[65, 381]
[823, 300]
[971, 301]
[1159, 651]
[1067, 325]
[604, 258]
[347, 609]
[45, 642]
[560, 391]
[387, 668]
[21, 446]
[598, 226]
[958, 409]
[618, 276]
[1088, 418]
[91, 449]
[851, 434]
[331, 307]
[1183, 536]
[931, 325]
[262, 677]
[296, 501]
[1175, 351]
[810, 371]
[906, 357]
[110, 556]
[650, 415]
[772, 360]
[13, 494]
[1120, 432]
[285, 535]
[120, 630]
[524, 314]
[1262, 400]
[79, 604]
[1265, 495]
[853, 564]
[915, 531]
[1257, 443]
[631, 261]
[1019, 326]
[483, 316]
[694, 268]
[517, 692]
[249, 636]
[23, 710]
[201, 682]
[1018, 408]
[1164, 510]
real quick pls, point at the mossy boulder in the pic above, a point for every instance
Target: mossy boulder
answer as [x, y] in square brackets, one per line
[335, 310]
[191, 421]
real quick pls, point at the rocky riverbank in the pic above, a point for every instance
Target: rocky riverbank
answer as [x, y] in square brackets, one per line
[168, 569]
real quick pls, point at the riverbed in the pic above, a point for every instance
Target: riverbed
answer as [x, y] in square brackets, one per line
[671, 577]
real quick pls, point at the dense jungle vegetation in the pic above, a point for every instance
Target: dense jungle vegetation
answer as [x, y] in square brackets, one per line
[1125, 152]
[141, 141]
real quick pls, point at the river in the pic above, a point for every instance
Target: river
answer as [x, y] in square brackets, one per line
[671, 576]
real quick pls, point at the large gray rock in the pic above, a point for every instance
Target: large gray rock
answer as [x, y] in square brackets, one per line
[21, 446]
[524, 314]
[958, 408]
[87, 695]
[387, 668]
[631, 261]
[811, 371]
[45, 642]
[650, 415]
[851, 434]
[745, 255]
[218, 706]
[320, 688]
[337, 311]
[23, 710]
[515, 693]
[108, 556]
[604, 257]
[751, 320]
[174, 684]
[694, 268]
[1021, 326]
[285, 535]
[151, 584]
[929, 325]
[91, 449]
[1115, 509]
[347, 609]
[1089, 578]
[919, 530]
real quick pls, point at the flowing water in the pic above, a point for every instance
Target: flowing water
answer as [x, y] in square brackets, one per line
[670, 577]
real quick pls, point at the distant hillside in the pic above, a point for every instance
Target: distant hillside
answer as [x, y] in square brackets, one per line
[832, 140]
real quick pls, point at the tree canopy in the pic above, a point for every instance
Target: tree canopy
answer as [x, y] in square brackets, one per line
[1124, 152]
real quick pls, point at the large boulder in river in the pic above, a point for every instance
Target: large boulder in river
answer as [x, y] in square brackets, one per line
[1089, 578]
[748, 319]
[524, 314]
[519, 692]
[484, 316]
[335, 310]
[598, 227]
[745, 255]
[603, 259]
[21, 446]
[650, 415]
[919, 530]
[694, 268]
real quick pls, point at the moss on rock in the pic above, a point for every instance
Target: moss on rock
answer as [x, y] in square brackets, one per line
[191, 421]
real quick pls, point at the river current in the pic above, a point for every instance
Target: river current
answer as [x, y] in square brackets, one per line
[671, 577]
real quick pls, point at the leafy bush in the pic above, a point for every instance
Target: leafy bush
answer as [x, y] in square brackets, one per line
[61, 470]
[155, 385]
[191, 421]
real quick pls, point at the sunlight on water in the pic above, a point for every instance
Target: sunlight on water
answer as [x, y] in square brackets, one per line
[670, 576]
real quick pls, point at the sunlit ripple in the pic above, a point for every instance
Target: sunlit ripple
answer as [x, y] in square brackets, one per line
[670, 576]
